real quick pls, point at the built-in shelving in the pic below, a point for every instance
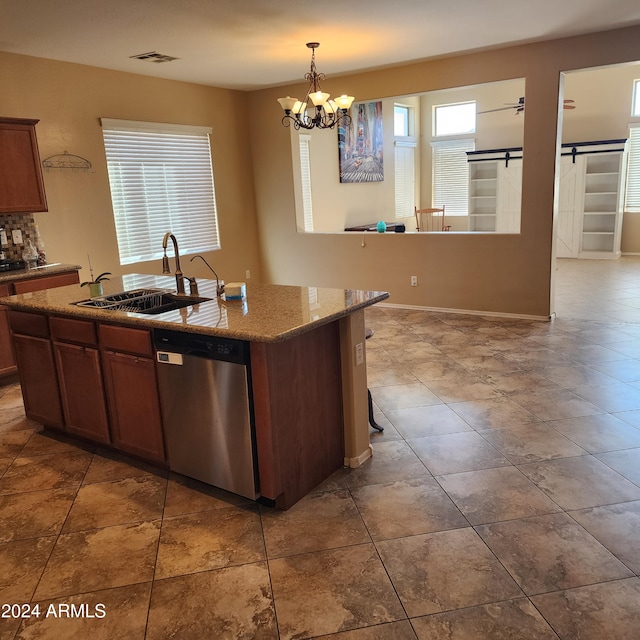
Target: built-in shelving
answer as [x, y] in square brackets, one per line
[494, 185]
[591, 193]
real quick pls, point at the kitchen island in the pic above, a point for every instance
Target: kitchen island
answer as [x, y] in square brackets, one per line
[91, 372]
[16, 278]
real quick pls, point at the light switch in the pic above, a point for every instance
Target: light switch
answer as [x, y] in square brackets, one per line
[16, 235]
[359, 353]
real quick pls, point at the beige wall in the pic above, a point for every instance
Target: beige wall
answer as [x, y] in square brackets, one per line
[69, 99]
[494, 273]
[498, 273]
[603, 111]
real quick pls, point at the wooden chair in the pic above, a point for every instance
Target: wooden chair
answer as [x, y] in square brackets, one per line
[431, 223]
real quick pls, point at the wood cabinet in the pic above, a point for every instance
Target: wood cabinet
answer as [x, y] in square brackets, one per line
[7, 358]
[592, 180]
[93, 380]
[46, 282]
[299, 435]
[36, 363]
[495, 190]
[132, 391]
[21, 184]
[80, 378]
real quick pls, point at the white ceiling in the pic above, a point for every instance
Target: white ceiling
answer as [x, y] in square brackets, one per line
[248, 44]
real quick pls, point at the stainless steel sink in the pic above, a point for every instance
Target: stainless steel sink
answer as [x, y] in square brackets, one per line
[150, 301]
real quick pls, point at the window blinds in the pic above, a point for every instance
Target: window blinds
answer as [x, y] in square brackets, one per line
[161, 180]
[305, 174]
[405, 185]
[451, 175]
[632, 193]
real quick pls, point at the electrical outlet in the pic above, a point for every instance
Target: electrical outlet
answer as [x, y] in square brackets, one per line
[3, 238]
[414, 281]
[359, 353]
[247, 274]
[16, 236]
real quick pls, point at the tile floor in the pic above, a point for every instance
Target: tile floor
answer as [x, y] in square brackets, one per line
[502, 501]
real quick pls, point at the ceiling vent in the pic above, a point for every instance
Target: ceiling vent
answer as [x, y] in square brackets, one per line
[153, 56]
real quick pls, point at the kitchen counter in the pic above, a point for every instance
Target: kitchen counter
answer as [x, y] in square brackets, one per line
[37, 272]
[270, 313]
[308, 383]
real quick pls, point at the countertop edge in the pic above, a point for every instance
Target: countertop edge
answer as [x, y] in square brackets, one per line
[37, 272]
[144, 321]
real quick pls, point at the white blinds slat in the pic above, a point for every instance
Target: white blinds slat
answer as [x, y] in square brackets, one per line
[405, 185]
[632, 194]
[305, 174]
[451, 175]
[160, 180]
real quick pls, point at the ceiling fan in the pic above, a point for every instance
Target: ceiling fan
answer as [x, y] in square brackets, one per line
[519, 106]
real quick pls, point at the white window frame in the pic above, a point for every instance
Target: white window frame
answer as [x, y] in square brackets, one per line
[450, 177]
[405, 177]
[441, 108]
[304, 142]
[632, 185]
[408, 130]
[406, 165]
[635, 100]
[161, 179]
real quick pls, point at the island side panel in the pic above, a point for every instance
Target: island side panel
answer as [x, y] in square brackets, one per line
[297, 391]
[354, 389]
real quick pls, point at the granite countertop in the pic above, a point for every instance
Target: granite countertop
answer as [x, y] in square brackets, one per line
[270, 313]
[38, 272]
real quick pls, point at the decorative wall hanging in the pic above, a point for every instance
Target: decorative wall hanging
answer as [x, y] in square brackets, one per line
[66, 161]
[360, 144]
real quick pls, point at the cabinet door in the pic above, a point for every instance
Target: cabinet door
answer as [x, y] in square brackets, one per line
[47, 282]
[134, 404]
[509, 202]
[82, 391]
[21, 184]
[38, 380]
[570, 205]
[7, 359]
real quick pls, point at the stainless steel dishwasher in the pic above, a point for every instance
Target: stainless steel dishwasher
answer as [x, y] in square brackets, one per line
[206, 407]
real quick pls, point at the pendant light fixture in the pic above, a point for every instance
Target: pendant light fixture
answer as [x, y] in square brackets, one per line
[316, 110]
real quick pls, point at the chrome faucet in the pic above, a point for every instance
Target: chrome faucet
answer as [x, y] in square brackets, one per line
[165, 262]
[219, 285]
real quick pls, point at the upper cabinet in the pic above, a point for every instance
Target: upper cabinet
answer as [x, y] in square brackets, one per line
[21, 184]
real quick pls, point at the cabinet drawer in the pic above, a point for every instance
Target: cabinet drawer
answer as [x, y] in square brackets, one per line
[4, 290]
[71, 330]
[30, 324]
[137, 341]
[48, 282]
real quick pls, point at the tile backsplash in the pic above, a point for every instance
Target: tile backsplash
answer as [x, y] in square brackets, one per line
[25, 223]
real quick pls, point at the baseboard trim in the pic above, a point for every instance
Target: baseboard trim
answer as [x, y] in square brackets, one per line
[354, 463]
[467, 312]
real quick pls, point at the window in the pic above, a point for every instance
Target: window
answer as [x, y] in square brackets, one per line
[635, 103]
[400, 120]
[451, 175]
[405, 183]
[161, 180]
[454, 119]
[632, 192]
[305, 175]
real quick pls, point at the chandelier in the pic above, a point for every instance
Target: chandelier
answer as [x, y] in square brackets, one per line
[322, 113]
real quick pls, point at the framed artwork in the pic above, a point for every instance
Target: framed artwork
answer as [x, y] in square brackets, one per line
[360, 145]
